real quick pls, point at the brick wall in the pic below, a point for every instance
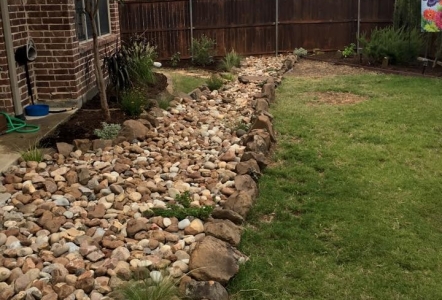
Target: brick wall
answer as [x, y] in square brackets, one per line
[63, 71]
[19, 32]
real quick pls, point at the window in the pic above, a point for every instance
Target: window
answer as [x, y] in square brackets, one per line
[83, 24]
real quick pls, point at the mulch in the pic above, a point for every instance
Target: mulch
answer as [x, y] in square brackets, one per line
[415, 69]
[89, 117]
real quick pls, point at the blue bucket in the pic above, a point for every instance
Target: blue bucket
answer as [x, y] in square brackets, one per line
[37, 110]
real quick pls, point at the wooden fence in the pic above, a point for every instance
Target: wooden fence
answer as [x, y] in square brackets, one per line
[252, 27]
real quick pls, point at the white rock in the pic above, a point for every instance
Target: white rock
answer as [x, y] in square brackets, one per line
[156, 276]
[166, 222]
[183, 224]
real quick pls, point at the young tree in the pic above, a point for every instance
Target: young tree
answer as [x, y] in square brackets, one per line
[91, 9]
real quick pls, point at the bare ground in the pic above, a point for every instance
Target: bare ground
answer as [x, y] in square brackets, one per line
[317, 70]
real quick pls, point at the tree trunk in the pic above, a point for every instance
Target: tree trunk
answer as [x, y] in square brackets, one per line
[91, 8]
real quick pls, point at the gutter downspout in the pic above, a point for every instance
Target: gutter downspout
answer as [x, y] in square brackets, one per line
[359, 27]
[16, 99]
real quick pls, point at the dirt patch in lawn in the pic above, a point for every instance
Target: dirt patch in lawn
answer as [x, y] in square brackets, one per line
[334, 98]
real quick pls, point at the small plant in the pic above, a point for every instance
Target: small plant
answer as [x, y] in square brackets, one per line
[146, 288]
[140, 56]
[181, 213]
[181, 209]
[242, 125]
[175, 59]
[164, 101]
[202, 51]
[132, 103]
[184, 199]
[349, 50]
[300, 52]
[108, 131]
[215, 82]
[232, 59]
[34, 153]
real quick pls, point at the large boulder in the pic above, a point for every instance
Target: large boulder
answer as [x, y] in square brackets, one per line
[131, 130]
[224, 230]
[227, 214]
[263, 121]
[240, 202]
[268, 91]
[247, 167]
[260, 158]
[213, 259]
[247, 184]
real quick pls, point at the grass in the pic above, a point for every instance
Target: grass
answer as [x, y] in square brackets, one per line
[351, 207]
[214, 82]
[185, 83]
[33, 153]
[232, 59]
[145, 288]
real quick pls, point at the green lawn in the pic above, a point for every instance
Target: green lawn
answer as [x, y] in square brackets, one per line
[352, 207]
[186, 83]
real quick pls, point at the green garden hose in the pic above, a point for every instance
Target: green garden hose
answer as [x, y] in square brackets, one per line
[17, 125]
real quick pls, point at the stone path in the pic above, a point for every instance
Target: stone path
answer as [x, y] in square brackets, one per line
[77, 225]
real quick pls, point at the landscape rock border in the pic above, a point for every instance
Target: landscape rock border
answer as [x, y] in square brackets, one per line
[75, 225]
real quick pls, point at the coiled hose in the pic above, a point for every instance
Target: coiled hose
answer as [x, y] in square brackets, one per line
[18, 125]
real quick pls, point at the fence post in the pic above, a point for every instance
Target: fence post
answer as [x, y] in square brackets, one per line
[191, 27]
[276, 27]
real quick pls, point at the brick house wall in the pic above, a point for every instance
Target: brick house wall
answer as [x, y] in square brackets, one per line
[63, 73]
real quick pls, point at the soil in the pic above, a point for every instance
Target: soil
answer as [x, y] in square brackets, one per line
[187, 64]
[415, 69]
[89, 117]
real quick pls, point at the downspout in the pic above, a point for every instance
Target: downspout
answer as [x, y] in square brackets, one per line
[359, 27]
[16, 99]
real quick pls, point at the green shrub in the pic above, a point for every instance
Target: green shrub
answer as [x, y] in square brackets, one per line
[140, 56]
[202, 51]
[214, 82]
[108, 131]
[118, 69]
[132, 102]
[300, 52]
[175, 59]
[399, 45]
[232, 59]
